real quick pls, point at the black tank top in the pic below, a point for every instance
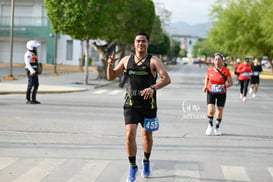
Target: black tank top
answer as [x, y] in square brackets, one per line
[139, 78]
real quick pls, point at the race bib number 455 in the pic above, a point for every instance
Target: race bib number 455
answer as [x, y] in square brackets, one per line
[151, 124]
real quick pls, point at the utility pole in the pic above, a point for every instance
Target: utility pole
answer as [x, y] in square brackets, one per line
[11, 77]
[55, 73]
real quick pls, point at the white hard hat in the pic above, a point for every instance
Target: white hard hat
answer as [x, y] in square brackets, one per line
[32, 44]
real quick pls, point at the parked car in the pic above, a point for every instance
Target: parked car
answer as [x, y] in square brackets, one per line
[266, 63]
[198, 61]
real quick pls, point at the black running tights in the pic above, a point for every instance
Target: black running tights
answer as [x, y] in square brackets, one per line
[244, 86]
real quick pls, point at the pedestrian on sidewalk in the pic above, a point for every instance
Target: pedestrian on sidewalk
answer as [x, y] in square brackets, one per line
[217, 80]
[140, 100]
[245, 71]
[255, 77]
[31, 66]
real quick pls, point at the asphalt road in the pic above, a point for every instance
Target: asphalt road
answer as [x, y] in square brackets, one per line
[79, 137]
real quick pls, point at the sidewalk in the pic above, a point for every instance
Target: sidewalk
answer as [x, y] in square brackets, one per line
[68, 79]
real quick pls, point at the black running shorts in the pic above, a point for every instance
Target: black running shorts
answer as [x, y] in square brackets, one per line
[255, 80]
[219, 98]
[136, 115]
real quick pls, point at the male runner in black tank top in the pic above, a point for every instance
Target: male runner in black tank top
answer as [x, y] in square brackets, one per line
[139, 78]
[140, 102]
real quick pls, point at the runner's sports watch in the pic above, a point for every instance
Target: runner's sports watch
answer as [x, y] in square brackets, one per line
[152, 87]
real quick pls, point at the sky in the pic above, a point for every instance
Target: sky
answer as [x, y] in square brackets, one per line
[189, 11]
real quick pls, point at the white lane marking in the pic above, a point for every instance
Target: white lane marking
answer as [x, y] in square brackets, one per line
[114, 92]
[187, 173]
[38, 172]
[4, 162]
[235, 173]
[99, 91]
[270, 169]
[89, 171]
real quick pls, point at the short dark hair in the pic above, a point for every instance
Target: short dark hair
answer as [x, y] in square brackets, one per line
[144, 34]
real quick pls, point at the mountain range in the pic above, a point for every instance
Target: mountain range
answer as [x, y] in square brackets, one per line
[182, 28]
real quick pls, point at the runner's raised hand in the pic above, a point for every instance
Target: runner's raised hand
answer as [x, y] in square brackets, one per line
[112, 59]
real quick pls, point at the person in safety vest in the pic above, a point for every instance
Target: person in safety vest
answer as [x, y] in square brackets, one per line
[31, 66]
[140, 106]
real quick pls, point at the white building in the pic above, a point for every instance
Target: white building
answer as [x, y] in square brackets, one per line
[31, 22]
[186, 42]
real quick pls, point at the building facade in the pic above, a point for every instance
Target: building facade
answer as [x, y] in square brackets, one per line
[186, 42]
[31, 23]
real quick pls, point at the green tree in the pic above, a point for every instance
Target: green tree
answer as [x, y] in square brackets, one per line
[243, 27]
[203, 49]
[81, 20]
[121, 37]
[183, 53]
[225, 34]
[157, 34]
[266, 24]
[174, 50]
[101, 19]
[159, 41]
[161, 47]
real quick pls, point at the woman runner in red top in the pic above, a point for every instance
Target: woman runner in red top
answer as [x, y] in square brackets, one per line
[245, 72]
[217, 80]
